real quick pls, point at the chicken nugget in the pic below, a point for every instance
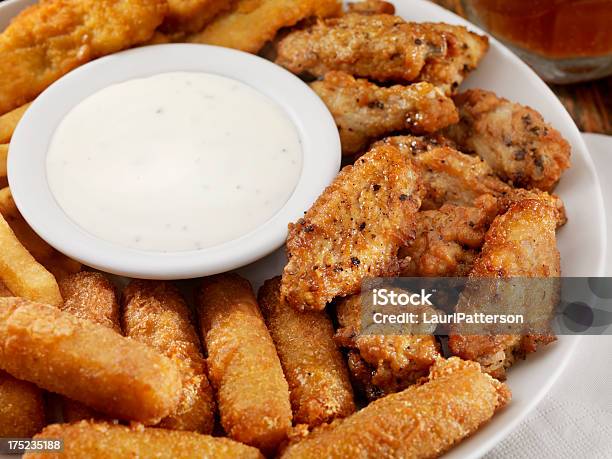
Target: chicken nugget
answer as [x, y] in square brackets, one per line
[86, 362]
[423, 421]
[156, 314]
[22, 412]
[364, 111]
[9, 121]
[244, 369]
[353, 230]
[513, 139]
[189, 16]
[94, 440]
[314, 368]
[252, 23]
[50, 38]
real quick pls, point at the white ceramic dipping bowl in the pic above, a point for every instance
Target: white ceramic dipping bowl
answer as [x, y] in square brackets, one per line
[29, 145]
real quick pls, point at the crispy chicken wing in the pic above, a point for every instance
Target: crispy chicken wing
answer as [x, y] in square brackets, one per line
[520, 243]
[513, 139]
[364, 111]
[384, 48]
[353, 230]
[53, 37]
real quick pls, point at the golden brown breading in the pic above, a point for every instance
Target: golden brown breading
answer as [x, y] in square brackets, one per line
[86, 362]
[50, 38]
[353, 230]
[252, 23]
[9, 121]
[154, 313]
[313, 365]
[189, 16]
[423, 421]
[513, 139]
[364, 111]
[520, 243]
[22, 412]
[382, 364]
[383, 48]
[104, 440]
[3, 165]
[4, 290]
[371, 7]
[244, 369]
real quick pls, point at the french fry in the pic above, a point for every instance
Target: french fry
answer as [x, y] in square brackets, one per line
[86, 362]
[22, 274]
[22, 413]
[9, 121]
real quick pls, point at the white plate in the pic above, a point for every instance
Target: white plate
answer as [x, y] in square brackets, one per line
[582, 241]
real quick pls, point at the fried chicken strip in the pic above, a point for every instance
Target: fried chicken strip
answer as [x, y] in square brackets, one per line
[50, 38]
[9, 121]
[423, 421]
[383, 48]
[86, 362]
[189, 16]
[22, 412]
[353, 230]
[513, 139]
[520, 243]
[156, 314]
[382, 364]
[314, 368]
[87, 440]
[244, 369]
[251, 23]
[364, 111]
[371, 7]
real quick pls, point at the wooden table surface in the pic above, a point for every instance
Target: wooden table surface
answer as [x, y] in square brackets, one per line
[589, 103]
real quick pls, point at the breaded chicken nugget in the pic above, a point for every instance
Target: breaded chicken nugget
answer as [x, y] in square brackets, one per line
[513, 139]
[244, 369]
[9, 121]
[156, 314]
[252, 23]
[313, 365]
[353, 230]
[86, 362]
[382, 364]
[22, 412]
[188, 16]
[423, 421]
[50, 38]
[95, 440]
[364, 111]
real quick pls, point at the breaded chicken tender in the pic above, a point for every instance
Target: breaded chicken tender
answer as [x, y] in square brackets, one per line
[383, 48]
[423, 421]
[188, 16]
[52, 37]
[252, 23]
[97, 440]
[9, 121]
[22, 412]
[314, 368]
[353, 230]
[86, 362]
[244, 369]
[364, 111]
[156, 314]
[382, 364]
[513, 139]
[520, 243]
[371, 7]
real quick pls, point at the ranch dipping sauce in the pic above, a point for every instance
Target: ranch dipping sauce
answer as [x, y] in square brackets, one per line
[174, 162]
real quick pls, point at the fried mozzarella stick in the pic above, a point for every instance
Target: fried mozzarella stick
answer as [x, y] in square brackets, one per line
[22, 412]
[86, 362]
[94, 440]
[9, 121]
[249, 25]
[89, 296]
[313, 365]
[513, 139]
[364, 111]
[21, 273]
[353, 230]
[423, 421]
[383, 48]
[244, 369]
[50, 38]
[156, 314]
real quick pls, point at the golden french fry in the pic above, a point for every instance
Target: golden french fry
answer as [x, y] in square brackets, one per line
[9, 121]
[22, 413]
[21, 273]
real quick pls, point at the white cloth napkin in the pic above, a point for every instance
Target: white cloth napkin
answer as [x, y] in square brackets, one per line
[574, 420]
